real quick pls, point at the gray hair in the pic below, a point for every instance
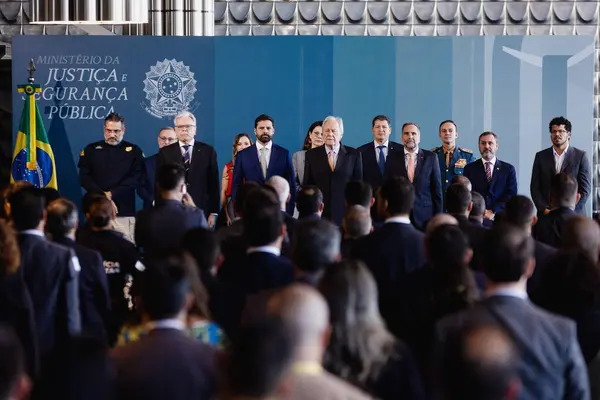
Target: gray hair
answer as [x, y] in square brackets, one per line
[339, 121]
[185, 114]
[281, 186]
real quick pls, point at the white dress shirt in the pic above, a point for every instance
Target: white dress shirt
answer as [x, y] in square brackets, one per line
[385, 149]
[336, 151]
[276, 251]
[189, 150]
[398, 220]
[406, 153]
[493, 161]
[268, 147]
[559, 159]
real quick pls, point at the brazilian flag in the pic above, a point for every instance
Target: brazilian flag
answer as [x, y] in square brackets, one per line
[33, 159]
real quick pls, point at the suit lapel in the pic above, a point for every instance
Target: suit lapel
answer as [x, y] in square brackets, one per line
[370, 158]
[341, 158]
[254, 157]
[498, 170]
[419, 166]
[272, 160]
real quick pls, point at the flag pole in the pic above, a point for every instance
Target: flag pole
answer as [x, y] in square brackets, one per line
[32, 163]
[31, 71]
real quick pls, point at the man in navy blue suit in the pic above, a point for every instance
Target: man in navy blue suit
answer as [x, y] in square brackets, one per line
[263, 160]
[495, 180]
[166, 136]
[421, 167]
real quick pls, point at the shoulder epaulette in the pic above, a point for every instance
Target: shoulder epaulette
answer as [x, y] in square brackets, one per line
[465, 150]
[435, 149]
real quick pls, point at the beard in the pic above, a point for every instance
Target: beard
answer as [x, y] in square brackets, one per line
[264, 138]
[113, 141]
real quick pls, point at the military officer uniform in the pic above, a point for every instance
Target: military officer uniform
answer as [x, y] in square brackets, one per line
[452, 164]
[117, 169]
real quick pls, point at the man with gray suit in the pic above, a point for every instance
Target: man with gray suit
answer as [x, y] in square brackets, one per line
[559, 158]
[551, 365]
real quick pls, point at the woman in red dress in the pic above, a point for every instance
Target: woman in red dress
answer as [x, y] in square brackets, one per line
[240, 142]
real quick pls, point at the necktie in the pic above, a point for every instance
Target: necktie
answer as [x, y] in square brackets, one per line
[263, 161]
[331, 163]
[448, 158]
[186, 153]
[411, 166]
[488, 171]
[381, 162]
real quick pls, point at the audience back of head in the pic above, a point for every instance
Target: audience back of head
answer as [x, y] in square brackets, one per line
[479, 362]
[478, 207]
[27, 208]
[462, 180]
[170, 177]
[507, 254]
[563, 190]
[316, 244]
[458, 199]
[281, 187]
[61, 218]
[263, 220]
[309, 201]
[359, 193]
[520, 212]
[357, 221]
[397, 197]
[101, 212]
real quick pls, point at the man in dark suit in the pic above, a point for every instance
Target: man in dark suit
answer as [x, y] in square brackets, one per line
[51, 276]
[422, 169]
[495, 180]
[563, 199]
[560, 158]
[166, 136]
[551, 364]
[160, 229]
[94, 298]
[167, 362]
[375, 153]
[520, 212]
[331, 167]
[309, 203]
[200, 163]
[392, 253]
[263, 160]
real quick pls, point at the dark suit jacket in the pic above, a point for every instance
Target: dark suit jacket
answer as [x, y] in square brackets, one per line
[371, 173]
[575, 163]
[550, 364]
[202, 178]
[548, 228]
[52, 280]
[161, 228]
[247, 169]
[392, 253]
[348, 168]
[94, 298]
[165, 364]
[146, 192]
[427, 183]
[502, 187]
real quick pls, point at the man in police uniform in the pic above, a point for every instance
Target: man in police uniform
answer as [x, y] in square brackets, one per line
[116, 168]
[452, 158]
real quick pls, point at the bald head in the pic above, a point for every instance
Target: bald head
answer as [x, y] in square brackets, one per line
[439, 220]
[582, 234]
[462, 180]
[304, 310]
[282, 187]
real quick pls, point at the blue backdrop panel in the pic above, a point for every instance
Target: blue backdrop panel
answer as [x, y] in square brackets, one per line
[511, 85]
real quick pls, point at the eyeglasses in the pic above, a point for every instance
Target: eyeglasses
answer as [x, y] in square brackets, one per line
[558, 131]
[184, 127]
[166, 139]
[115, 131]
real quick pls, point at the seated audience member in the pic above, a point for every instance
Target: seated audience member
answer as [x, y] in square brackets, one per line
[359, 193]
[309, 202]
[7, 192]
[550, 362]
[166, 363]
[94, 299]
[480, 362]
[361, 350]
[315, 246]
[520, 212]
[357, 223]
[119, 257]
[305, 312]
[476, 216]
[569, 285]
[462, 180]
[14, 382]
[160, 229]
[257, 365]
[392, 253]
[563, 199]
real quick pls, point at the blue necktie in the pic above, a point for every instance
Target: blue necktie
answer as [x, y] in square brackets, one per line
[186, 153]
[381, 162]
